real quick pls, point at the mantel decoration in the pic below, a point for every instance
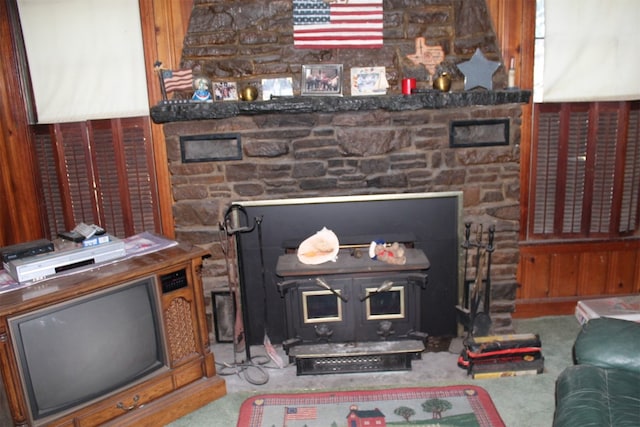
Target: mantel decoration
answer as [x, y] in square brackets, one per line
[172, 80]
[368, 81]
[202, 87]
[322, 79]
[429, 56]
[478, 71]
[225, 91]
[276, 88]
[329, 24]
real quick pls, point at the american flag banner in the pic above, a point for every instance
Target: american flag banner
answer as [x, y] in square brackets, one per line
[177, 79]
[301, 413]
[329, 24]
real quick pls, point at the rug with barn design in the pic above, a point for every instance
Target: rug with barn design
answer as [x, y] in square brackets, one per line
[458, 406]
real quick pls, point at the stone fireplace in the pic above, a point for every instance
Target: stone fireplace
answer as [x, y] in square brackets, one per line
[314, 147]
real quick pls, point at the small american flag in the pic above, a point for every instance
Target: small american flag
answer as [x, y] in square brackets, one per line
[177, 79]
[320, 24]
[302, 413]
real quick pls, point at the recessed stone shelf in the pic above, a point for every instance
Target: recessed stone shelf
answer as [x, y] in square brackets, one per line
[175, 111]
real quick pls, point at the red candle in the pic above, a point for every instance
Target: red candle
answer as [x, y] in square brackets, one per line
[407, 85]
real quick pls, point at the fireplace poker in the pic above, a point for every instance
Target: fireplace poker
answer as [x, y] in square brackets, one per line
[487, 288]
[228, 244]
[231, 227]
[268, 347]
[478, 290]
[466, 245]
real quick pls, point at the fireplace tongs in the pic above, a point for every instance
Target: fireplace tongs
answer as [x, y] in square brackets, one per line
[319, 281]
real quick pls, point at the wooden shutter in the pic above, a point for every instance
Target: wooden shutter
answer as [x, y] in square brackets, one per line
[585, 170]
[574, 171]
[545, 170]
[631, 188]
[98, 172]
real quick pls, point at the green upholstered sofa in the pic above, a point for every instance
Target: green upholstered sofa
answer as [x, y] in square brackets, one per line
[603, 387]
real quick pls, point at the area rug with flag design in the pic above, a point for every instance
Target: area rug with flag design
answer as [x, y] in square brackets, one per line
[459, 406]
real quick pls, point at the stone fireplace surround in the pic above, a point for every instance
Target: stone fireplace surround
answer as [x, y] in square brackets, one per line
[344, 153]
[330, 146]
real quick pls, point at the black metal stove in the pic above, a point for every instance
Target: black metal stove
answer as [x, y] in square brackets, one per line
[356, 314]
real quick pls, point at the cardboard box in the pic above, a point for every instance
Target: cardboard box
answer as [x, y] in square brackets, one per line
[623, 307]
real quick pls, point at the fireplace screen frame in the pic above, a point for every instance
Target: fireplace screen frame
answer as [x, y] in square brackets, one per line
[305, 307]
[372, 295]
[435, 218]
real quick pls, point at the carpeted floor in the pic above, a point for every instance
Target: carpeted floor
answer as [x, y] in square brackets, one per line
[524, 401]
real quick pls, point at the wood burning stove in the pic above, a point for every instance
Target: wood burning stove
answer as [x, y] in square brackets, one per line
[355, 314]
[430, 222]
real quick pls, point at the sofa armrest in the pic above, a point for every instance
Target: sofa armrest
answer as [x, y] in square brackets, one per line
[609, 343]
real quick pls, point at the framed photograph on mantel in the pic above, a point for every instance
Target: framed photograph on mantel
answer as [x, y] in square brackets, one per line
[321, 80]
[368, 81]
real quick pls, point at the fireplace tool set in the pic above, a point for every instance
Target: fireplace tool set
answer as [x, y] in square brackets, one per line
[477, 290]
[484, 355]
[229, 229]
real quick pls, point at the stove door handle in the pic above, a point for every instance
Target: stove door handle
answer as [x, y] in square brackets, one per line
[385, 287]
[323, 284]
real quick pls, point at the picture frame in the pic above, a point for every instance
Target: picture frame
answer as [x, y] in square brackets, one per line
[224, 309]
[277, 88]
[321, 80]
[225, 91]
[368, 81]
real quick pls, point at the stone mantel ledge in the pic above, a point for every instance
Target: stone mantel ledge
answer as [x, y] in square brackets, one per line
[175, 111]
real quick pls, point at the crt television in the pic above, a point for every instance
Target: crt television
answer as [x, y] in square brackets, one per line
[88, 347]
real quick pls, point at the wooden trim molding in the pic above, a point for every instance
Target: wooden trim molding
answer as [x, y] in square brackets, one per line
[164, 25]
[19, 210]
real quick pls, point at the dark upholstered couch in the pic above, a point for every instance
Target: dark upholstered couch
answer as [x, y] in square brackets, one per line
[603, 388]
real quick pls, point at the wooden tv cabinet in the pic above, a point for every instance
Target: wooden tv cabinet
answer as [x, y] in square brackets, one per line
[187, 383]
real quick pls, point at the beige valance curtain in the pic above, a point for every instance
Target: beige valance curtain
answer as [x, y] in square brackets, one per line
[85, 58]
[591, 50]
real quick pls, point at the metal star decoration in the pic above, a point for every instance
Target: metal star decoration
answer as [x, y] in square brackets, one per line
[478, 71]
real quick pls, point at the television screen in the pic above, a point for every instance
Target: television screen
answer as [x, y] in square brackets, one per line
[79, 350]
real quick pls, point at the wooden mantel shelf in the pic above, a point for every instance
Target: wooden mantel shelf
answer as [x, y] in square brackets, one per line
[175, 111]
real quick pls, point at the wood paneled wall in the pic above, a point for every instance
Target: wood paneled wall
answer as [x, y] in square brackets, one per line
[556, 276]
[19, 205]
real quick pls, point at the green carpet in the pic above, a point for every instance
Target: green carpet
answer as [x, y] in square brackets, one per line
[521, 401]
